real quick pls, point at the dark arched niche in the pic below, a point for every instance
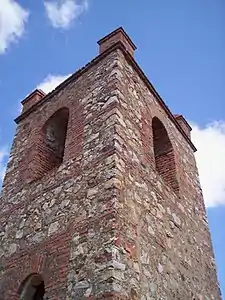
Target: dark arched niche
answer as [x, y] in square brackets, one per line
[55, 130]
[51, 144]
[164, 154]
[32, 288]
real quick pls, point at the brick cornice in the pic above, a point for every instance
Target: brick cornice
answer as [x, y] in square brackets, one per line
[95, 61]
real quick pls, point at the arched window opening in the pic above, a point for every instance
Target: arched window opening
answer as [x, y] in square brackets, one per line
[164, 154]
[55, 130]
[32, 288]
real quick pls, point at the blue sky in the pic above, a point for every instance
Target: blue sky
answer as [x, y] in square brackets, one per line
[181, 46]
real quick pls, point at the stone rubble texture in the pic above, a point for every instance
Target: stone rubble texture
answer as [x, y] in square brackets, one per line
[104, 224]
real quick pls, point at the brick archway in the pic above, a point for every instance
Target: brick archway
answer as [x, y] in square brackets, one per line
[32, 288]
[164, 154]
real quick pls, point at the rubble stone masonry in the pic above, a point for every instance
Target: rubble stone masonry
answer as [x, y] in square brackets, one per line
[121, 214]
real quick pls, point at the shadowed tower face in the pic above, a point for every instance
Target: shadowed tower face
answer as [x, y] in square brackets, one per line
[101, 198]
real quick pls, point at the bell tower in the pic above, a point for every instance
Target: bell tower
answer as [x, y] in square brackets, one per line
[101, 198]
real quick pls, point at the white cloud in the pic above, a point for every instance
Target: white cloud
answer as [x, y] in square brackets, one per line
[210, 143]
[62, 13]
[3, 154]
[13, 18]
[51, 82]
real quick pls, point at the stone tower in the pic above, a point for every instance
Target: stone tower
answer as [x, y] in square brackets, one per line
[101, 198]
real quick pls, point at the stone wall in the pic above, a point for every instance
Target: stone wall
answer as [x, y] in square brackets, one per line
[162, 236]
[104, 225]
[61, 225]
